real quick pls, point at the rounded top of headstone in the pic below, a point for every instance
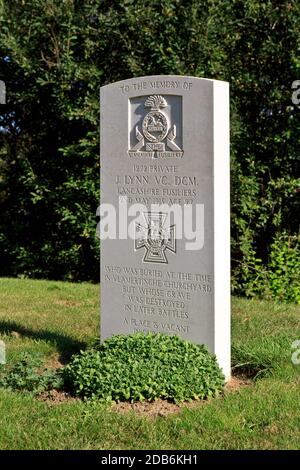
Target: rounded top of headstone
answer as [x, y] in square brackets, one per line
[166, 78]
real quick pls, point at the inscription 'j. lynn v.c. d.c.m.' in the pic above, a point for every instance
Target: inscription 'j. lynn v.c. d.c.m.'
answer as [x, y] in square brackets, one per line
[156, 136]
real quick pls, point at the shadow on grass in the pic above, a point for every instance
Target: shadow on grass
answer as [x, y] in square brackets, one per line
[65, 345]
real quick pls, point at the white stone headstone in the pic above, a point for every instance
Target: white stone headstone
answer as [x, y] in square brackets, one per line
[165, 264]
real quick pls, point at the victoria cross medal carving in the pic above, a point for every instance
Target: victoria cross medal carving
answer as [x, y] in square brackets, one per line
[155, 238]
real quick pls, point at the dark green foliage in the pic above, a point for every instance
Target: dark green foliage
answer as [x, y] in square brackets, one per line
[144, 367]
[284, 268]
[50, 155]
[55, 54]
[29, 375]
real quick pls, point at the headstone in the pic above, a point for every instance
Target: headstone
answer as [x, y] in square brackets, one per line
[165, 212]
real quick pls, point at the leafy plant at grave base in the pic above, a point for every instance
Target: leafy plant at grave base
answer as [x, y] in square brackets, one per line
[28, 375]
[144, 367]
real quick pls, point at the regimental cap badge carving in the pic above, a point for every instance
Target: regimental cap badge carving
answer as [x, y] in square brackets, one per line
[155, 124]
[155, 238]
[156, 136]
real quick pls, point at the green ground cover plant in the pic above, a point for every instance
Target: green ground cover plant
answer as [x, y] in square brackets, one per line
[145, 367]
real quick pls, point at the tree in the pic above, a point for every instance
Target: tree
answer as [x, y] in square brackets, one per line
[54, 56]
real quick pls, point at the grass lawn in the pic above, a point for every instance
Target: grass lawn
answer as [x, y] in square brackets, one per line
[57, 319]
